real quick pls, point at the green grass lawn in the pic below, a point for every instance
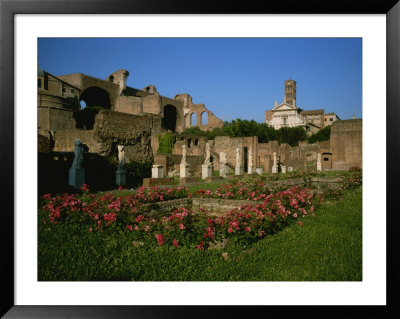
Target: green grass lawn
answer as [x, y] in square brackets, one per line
[327, 247]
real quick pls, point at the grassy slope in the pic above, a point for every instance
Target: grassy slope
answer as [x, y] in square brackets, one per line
[327, 247]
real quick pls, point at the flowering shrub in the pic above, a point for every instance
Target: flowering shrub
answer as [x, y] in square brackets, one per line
[346, 181]
[97, 211]
[247, 188]
[253, 222]
[265, 213]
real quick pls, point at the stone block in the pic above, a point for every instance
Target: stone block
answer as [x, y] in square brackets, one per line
[260, 170]
[76, 177]
[183, 170]
[206, 171]
[284, 169]
[223, 170]
[157, 171]
[290, 169]
[250, 169]
[120, 177]
[238, 170]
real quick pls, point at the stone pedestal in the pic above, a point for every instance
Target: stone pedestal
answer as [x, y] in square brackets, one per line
[283, 169]
[76, 177]
[290, 169]
[223, 170]
[274, 169]
[238, 170]
[260, 170]
[319, 166]
[206, 171]
[120, 177]
[183, 170]
[157, 171]
[250, 169]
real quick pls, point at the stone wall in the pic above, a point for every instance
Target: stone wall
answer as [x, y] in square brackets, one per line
[111, 129]
[228, 145]
[128, 104]
[54, 118]
[346, 144]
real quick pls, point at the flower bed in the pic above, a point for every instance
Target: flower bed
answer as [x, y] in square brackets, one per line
[265, 212]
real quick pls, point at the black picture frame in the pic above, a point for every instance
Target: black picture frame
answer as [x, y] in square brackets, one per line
[9, 8]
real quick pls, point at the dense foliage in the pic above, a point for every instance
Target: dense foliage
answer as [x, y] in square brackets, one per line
[322, 135]
[243, 128]
[165, 143]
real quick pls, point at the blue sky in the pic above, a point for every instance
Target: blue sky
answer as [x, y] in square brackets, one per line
[233, 77]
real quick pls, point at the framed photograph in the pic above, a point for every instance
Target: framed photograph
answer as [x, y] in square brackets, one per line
[31, 30]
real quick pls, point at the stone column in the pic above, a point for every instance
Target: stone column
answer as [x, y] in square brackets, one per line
[76, 172]
[275, 164]
[250, 166]
[319, 166]
[157, 171]
[238, 167]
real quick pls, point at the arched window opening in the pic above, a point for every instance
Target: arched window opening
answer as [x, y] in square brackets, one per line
[204, 118]
[189, 142]
[193, 119]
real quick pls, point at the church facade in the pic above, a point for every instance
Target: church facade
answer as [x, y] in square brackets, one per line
[288, 114]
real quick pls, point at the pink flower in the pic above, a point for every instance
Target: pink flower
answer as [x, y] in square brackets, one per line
[295, 215]
[175, 242]
[129, 227]
[230, 230]
[181, 226]
[90, 229]
[300, 223]
[261, 233]
[160, 239]
[200, 247]
[136, 228]
[247, 229]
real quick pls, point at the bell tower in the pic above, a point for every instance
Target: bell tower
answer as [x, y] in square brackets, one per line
[290, 92]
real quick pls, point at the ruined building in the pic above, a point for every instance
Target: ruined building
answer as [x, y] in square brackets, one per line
[114, 113]
[288, 114]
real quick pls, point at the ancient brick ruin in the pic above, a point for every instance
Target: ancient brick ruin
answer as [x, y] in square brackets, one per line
[136, 117]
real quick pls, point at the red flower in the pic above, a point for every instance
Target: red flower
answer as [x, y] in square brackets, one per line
[300, 223]
[181, 226]
[129, 227]
[230, 230]
[175, 242]
[200, 247]
[160, 239]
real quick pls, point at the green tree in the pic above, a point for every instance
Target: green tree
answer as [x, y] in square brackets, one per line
[322, 135]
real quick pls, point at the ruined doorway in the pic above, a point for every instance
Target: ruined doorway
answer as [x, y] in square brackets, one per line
[326, 161]
[170, 117]
[92, 100]
[245, 158]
